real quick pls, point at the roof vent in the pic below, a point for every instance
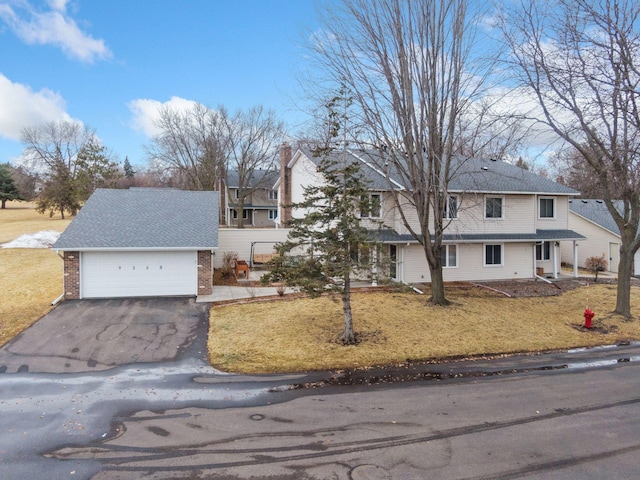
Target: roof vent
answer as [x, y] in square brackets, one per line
[493, 159]
[484, 168]
[599, 201]
[584, 201]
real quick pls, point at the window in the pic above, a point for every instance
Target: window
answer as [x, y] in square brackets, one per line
[543, 251]
[451, 207]
[236, 193]
[547, 208]
[245, 214]
[493, 255]
[374, 207]
[273, 214]
[493, 207]
[273, 194]
[449, 256]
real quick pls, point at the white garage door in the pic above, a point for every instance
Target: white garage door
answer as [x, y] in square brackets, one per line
[138, 274]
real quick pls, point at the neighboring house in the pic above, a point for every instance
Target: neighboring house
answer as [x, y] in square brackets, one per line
[260, 207]
[504, 222]
[141, 242]
[592, 219]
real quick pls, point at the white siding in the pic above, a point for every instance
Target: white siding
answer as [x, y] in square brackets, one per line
[518, 215]
[595, 245]
[561, 211]
[517, 259]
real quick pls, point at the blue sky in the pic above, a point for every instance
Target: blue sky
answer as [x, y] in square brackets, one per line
[111, 63]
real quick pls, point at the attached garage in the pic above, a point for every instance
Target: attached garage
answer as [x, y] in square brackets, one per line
[138, 274]
[141, 242]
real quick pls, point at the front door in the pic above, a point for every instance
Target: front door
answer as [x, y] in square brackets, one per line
[614, 256]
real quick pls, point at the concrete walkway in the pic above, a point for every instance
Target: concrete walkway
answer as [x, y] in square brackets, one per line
[223, 293]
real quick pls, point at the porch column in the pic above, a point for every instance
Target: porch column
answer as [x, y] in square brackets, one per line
[575, 259]
[555, 259]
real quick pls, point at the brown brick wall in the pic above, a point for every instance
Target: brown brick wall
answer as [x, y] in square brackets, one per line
[205, 272]
[71, 275]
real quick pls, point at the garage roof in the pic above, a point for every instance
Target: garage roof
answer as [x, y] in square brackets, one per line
[144, 218]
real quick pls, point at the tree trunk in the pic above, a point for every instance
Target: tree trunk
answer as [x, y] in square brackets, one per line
[348, 336]
[4, 202]
[623, 300]
[240, 210]
[437, 279]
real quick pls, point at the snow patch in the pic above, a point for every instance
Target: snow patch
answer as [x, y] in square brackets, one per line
[42, 239]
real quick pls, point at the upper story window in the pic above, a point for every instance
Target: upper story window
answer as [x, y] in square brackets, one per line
[273, 194]
[236, 193]
[451, 207]
[493, 207]
[547, 208]
[375, 207]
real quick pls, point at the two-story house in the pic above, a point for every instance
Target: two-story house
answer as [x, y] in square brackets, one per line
[260, 207]
[503, 222]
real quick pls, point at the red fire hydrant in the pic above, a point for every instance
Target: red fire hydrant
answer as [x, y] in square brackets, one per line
[588, 316]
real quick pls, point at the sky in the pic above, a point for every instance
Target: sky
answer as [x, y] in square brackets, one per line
[111, 64]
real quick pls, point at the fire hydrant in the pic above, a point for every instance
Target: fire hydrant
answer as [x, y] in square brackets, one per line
[588, 316]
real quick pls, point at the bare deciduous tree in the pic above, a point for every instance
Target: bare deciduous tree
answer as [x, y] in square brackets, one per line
[254, 138]
[193, 143]
[48, 144]
[579, 58]
[416, 84]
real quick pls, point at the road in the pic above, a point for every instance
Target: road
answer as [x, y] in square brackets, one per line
[565, 416]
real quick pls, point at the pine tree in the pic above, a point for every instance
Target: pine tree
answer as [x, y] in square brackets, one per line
[8, 188]
[330, 243]
[129, 172]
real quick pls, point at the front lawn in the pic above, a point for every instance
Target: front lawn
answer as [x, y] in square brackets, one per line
[300, 335]
[30, 279]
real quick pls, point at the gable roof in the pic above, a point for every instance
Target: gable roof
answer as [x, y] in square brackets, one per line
[478, 175]
[144, 218]
[260, 178]
[596, 212]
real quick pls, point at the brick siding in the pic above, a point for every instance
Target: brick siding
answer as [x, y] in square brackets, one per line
[71, 275]
[205, 272]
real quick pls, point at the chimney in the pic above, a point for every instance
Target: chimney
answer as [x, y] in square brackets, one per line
[285, 184]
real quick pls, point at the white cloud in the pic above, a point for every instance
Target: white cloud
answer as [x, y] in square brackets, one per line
[20, 107]
[146, 112]
[53, 27]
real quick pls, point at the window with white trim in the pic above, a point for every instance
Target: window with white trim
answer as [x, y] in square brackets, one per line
[546, 207]
[374, 208]
[245, 214]
[451, 207]
[493, 255]
[273, 194]
[493, 207]
[273, 214]
[543, 251]
[236, 193]
[449, 256]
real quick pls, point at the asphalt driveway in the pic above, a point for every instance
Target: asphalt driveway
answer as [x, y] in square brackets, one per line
[90, 335]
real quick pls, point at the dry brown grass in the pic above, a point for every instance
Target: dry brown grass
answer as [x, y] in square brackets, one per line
[300, 335]
[30, 279]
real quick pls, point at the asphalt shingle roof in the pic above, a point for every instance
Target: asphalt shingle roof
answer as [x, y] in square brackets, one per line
[596, 211]
[390, 236]
[469, 175]
[144, 218]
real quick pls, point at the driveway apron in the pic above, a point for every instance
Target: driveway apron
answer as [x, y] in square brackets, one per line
[91, 335]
